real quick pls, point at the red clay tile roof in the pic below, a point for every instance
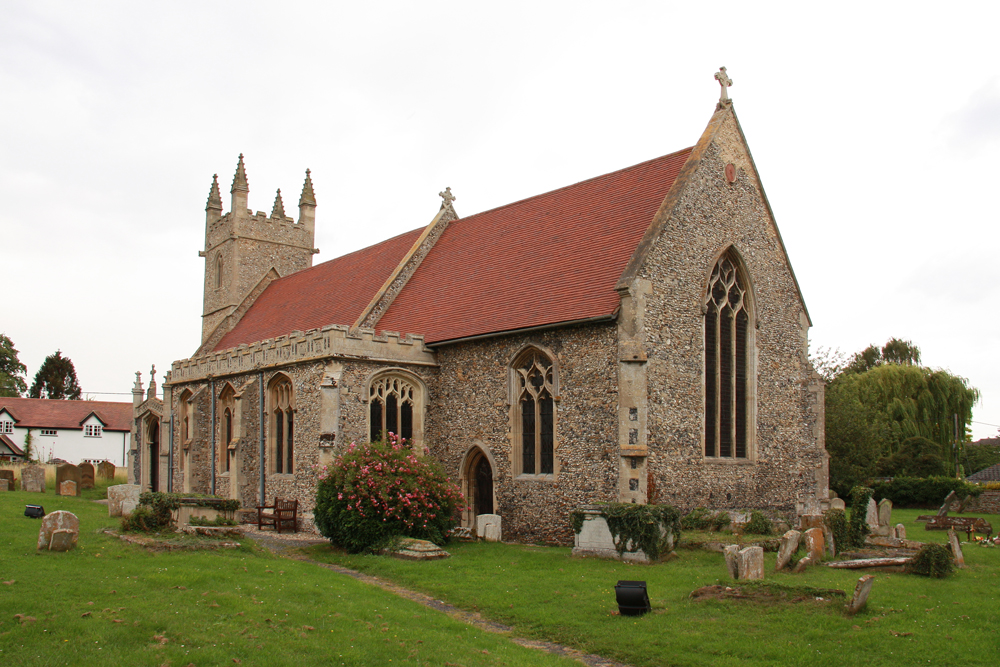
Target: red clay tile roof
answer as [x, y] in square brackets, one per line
[334, 292]
[552, 258]
[9, 444]
[50, 413]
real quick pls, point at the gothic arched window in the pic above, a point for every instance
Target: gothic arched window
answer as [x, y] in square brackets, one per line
[218, 271]
[534, 412]
[392, 401]
[228, 404]
[727, 361]
[282, 410]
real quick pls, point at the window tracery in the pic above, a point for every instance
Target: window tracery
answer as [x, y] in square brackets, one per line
[391, 402]
[534, 418]
[282, 426]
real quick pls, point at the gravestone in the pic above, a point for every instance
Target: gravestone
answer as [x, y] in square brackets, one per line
[956, 548]
[33, 479]
[9, 476]
[106, 469]
[789, 544]
[488, 527]
[831, 547]
[413, 549]
[861, 591]
[60, 520]
[67, 488]
[86, 475]
[871, 516]
[62, 540]
[122, 497]
[801, 566]
[946, 506]
[900, 531]
[837, 504]
[64, 472]
[3, 484]
[815, 544]
[732, 554]
[752, 563]
[884, 517]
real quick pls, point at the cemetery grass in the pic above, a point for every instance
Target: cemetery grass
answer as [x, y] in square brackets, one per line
[108, 602]
[546, 593]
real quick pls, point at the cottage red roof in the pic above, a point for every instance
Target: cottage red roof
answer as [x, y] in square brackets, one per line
[334, 292]
[553, 258]
[51, 413]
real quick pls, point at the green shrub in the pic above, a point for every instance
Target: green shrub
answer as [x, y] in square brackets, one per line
[836, 521]
[721, 520]
[922, 491]
[697, 519]
[217, 521]
[376, 492]
[144, 519]
[759, 524]
[650, 528]
[857, 528]
[933, 560]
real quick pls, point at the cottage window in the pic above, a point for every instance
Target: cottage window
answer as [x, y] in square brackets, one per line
[282, 411]
[92, 431]
[534, 413]
[6, 426]
[728, 337]
[49, 431]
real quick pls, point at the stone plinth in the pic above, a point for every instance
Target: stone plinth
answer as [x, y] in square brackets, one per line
[62, 522]
[488, 527]
[120, 494]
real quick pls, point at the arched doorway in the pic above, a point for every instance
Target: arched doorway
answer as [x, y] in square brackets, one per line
[153, 452]
[477, 486]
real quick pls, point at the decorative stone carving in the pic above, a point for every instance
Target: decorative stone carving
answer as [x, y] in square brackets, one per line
[60, 521]
[447, 198]
[725, 82]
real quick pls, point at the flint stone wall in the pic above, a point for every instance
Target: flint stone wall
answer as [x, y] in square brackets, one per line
[787, 455]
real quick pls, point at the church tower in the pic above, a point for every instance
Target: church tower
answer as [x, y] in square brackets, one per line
[242, 248]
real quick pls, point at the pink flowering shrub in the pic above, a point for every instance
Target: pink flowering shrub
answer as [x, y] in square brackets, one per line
[375, 492]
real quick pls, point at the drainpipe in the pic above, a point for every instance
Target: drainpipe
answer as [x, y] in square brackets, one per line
[260, 460]
[211, 388]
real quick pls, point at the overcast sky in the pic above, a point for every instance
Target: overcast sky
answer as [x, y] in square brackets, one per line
[875, 127]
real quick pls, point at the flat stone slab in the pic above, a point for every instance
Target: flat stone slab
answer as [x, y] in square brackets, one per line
[861, 563]
[893, 542]
[411, 549]
[213, 531]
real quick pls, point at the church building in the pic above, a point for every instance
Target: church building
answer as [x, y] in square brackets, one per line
[636, 337]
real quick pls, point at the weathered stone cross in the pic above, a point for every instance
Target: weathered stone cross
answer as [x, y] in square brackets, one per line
[447, 197]
[725, 82]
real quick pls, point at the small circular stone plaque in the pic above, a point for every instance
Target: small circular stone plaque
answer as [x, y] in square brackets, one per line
[731, 172]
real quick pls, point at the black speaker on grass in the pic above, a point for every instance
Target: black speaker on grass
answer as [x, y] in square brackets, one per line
[632, 598]
[34, 511]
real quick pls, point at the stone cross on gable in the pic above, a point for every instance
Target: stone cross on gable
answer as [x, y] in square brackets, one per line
[725, 82]
[447, 197]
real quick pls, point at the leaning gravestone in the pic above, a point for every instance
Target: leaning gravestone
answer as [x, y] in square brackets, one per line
[956, 548]
[33, 479]
[67, 471]
[122, 497]
[63, 523]
[789, 545]
[871, 516]
[106, 469]
[861, 591]
[9, 476]
[752, 563]
[68, 488]
[86, 475]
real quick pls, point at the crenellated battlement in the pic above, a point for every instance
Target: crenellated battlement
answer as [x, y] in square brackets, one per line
[336, 341]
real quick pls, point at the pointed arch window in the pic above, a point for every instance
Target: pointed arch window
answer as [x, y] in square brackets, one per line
[218, 270]
[282, 434]
[728, 340]
[391, 403]
[533, 414]
[227, 400]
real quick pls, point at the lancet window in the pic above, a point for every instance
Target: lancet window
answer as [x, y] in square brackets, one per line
[282, 434]
[534, 413]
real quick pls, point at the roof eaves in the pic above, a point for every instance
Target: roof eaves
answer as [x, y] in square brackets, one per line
[541, 327]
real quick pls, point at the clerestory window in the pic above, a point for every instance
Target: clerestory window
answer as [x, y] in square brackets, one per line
[727, 362]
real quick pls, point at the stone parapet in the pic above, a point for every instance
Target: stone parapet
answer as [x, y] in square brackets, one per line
[335, 341]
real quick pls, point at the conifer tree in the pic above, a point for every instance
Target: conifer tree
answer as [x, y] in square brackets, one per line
[11, 369]
[56, 379]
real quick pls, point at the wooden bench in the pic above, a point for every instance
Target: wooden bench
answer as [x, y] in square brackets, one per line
[283, 515]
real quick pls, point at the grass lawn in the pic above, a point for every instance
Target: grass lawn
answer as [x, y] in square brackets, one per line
[546, 593]
[111, 603]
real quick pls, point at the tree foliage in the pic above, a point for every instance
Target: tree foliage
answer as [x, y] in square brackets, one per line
[56, 379]
[12, 371]
[883, 400]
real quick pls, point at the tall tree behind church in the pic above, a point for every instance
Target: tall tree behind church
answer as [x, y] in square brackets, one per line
[56, 379]
[882, 399]
[12, 371]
